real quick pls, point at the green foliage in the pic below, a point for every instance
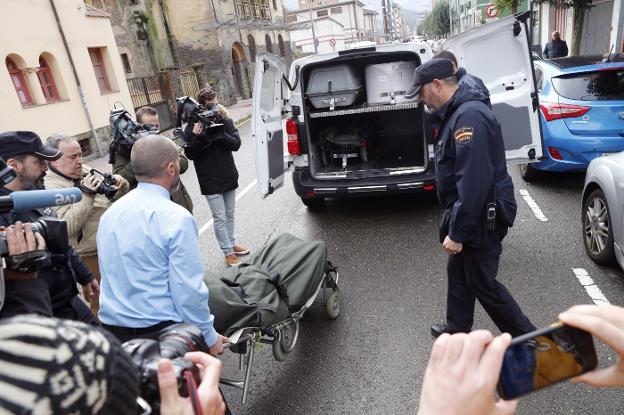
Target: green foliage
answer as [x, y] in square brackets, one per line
[507, 5]
[437, 22]
[569, 4]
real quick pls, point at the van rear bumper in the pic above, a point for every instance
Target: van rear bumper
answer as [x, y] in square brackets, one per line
[308, 187]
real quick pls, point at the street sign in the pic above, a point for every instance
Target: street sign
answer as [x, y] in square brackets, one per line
[332, 42]
[491, 11]
[478, 17]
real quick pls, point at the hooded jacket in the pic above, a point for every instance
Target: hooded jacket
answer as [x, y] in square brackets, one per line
[213, 159]
[471, 169]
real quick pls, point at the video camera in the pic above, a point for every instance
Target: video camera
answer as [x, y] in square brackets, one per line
[173, 343]
[191, 112]
[125, 131]
[108, 187]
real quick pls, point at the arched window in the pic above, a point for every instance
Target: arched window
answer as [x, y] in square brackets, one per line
[252, 47]
[19, 82]
[280, 41]
[269, 44]
[47, 81]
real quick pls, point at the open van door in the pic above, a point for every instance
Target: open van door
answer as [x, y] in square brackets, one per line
[266, 128]
[499, 54]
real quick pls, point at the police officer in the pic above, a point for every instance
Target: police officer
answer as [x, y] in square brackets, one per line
[462, 76]
[477, 195]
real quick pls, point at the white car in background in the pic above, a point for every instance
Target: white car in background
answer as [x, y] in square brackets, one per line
[603, 210]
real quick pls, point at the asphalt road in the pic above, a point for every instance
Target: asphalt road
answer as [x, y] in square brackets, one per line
[371, 360]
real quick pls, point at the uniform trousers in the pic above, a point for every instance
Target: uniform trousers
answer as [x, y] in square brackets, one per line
[471, 277]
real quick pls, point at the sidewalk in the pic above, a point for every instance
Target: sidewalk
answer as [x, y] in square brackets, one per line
[239, 112]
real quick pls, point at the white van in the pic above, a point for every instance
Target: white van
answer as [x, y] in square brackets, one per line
[349, 128]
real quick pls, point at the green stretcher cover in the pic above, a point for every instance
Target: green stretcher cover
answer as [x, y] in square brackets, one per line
[276, 280]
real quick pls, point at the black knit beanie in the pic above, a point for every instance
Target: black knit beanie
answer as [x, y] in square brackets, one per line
[52, 366]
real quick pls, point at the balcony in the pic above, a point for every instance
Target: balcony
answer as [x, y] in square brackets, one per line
[253, 9]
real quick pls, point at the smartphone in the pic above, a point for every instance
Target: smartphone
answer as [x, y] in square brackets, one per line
[544, 357]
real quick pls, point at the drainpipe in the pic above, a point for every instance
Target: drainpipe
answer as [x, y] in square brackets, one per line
[161, 3]
[98, 144]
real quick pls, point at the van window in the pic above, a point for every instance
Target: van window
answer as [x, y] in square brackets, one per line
[605, 85]
[267, 96]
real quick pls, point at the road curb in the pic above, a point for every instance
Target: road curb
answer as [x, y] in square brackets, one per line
[240, 121]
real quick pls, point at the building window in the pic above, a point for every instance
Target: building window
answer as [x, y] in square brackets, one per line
[252, 47]
[274, 5]
[322, 13]
[47, 81]
[280, 41]
[336, 10]
[100, 69]
[126, 62]
[269, 44]
[19, 83]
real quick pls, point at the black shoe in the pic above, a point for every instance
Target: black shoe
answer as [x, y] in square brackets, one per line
[438, 329]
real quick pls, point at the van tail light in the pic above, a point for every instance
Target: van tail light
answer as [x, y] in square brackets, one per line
[292, 130]
[554, 153]
[554, 111]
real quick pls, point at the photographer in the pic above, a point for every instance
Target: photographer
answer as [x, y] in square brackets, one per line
[24, 152]
[147, 117]
[152, 273]
[106, 382]
[82, 218]
[211, 149]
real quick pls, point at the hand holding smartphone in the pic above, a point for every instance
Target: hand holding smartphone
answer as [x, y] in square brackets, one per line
[545, 357]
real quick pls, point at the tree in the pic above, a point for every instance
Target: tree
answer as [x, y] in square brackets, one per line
[507, 5]
[579, 7]
[437, 22]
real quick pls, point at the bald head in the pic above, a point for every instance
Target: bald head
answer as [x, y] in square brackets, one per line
[151, 156]
[556, 35]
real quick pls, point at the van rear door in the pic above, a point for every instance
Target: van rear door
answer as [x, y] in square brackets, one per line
[266, 128]
[499, 54]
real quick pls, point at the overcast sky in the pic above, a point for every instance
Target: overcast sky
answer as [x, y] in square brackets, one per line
[376, 4]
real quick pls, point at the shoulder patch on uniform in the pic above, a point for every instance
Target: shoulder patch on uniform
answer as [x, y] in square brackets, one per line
[463, 135]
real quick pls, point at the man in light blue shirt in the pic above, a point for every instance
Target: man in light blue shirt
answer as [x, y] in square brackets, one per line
[152, 273]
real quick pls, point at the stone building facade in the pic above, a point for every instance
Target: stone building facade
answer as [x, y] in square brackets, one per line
[215, 39]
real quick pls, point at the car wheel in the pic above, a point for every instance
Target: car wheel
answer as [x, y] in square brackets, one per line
[528, 173]
[313, 203]
[597, 231]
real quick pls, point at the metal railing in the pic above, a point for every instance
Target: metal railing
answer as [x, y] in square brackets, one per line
[146, 90]
[188, 83]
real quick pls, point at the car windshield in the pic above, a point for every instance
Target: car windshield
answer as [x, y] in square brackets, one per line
[604, 85]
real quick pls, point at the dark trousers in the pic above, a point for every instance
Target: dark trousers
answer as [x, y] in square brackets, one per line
[75, 309]
[472, 276]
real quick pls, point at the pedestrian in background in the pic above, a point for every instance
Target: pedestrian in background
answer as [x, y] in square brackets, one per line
[211, 149]
[477, 195]
[556, 48]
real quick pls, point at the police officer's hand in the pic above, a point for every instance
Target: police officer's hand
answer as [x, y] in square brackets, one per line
[451, 247]
[607, 323]
[198, 128]
[462, 374]
[21, 239]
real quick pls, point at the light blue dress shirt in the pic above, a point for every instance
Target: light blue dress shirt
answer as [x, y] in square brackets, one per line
[150, 263]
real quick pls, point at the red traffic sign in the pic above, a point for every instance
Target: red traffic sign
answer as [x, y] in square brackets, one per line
[332, 42]
[491, 10]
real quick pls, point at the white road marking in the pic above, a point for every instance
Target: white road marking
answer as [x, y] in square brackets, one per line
[238, 196]
[592, 289]
[536, 209]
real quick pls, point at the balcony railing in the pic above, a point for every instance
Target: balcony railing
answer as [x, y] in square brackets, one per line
[257, 9]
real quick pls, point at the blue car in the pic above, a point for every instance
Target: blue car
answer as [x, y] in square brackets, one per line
[582, 112]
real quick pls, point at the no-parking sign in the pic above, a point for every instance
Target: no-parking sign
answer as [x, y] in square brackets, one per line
[491, 11]
[332, 42]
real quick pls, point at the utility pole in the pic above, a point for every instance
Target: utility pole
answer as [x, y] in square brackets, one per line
[312, 26]
[450, 18]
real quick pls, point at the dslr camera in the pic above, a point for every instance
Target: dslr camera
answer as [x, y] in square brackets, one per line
[173, 343]
[108, 186]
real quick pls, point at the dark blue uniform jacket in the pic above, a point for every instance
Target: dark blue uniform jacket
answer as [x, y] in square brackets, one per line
[473, 82]
[471, 168]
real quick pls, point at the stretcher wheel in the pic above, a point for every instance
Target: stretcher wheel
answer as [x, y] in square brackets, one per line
[290, 333]
[278, 353]
[332, 304]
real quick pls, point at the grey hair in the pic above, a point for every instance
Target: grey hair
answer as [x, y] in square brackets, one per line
[450, 81]
[151, 155]
[56, 139]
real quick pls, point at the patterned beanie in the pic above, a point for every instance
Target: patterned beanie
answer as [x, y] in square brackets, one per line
[52, 366]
